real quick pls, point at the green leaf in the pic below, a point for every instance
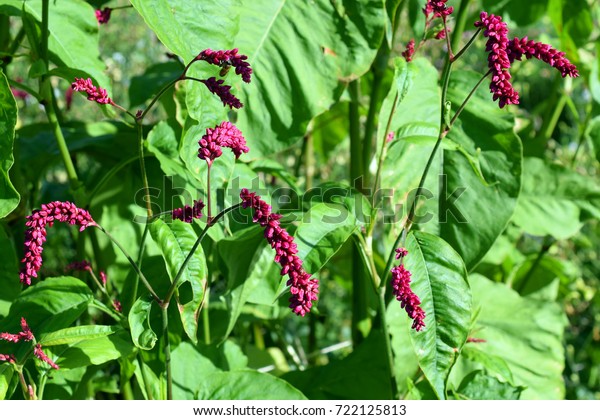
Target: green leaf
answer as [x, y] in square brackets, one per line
[593, 128]
[301, 57]
[176, 241]
[139, 323]
[9, 273]
[50, 305]
[527, 333]
[574, 23]
[473, 211]
[245, 385]
[522, 13]
[406, 364]
[555, 200]
[362, 375]
[9, 197]
[439, 278]
[321, 233]
[250, 271]
[494, 365]
[479, 386]
[76, 334]
[206, 360]
[95, 351]
[7, 372]
[73, 34]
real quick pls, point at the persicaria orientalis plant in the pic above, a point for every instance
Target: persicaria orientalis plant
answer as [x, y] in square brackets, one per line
[393, 268]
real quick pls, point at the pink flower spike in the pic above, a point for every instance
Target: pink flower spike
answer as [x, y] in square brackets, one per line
[409, 51]
[227, 58]
[217, 87]
[103, 16]
[401, 253]
[35, 235]
[408, 299]
[8, 358]
[187, 214]
[303, 288]
[438, 8]
[39, 353]
[544, 52]
[103, 278]
[498, 61]
[24, 335]
[441, 34]
[223, 135]
[95, 94]
[117, 305]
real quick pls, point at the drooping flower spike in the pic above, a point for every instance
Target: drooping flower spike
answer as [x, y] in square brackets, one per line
[223, 135]
[217, 87]
[226, 59]
[409, 301]
[187, 213]
[544, 52]
[409, 51]
[35, 235]
[303, 287]
[95, 94]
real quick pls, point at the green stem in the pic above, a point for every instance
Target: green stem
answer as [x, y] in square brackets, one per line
[467, 46]
[144, 377]
[547, 242]
[558, 109]
[388, 343]
[309, 162]
[133, 264]
[383, 151]
[356, 150]
[42, 386]
[208, 196]
[206, 319]
[464, 104]
[582, 133]
[140, 136]
[12, 49]
[189, 256]
[45, 32]
[140, 257]
[156, 98]
[167, 348]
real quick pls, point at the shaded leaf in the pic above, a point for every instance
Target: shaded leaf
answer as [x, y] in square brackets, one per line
[139, 323]
[246, 385]
[9, 197]
[479, 386]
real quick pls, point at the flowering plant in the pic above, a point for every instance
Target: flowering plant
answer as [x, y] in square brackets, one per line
[375, 200]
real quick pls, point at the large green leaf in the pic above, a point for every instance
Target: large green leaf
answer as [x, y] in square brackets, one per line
[406, 364]
[76, 334]
[9, 197]
[245, 385]
[482, 180]
[527, 333]
[251, 273]
[7, 373]
[48, 306]
[321, 233]
[479, 386]
[555, 200]
[9, 273]
[94, 351]
[300, 55]
[176, 241]
[439, 278]
[73, 34]
[206, 360]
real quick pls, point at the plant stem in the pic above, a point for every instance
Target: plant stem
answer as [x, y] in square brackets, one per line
[309, 161]
[388, 344]
[157, 97]
[467, 46]
[383, 150]
[471, 93]
[165, 323]
[356, 150]
[208, 195]
[133, 264]
[140, 136]
[213, 221]
[547, 242]
[12, 49]
[206, 319]
[42, 386]
[144, 377]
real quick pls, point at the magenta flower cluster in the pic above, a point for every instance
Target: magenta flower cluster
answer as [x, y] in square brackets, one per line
[303, 287]
[503, 52]
[25, 335]
[187, 213]
[227, 58]
[223, 91]
[438, 8]
[408, 299]
[79, 266]
[409, 51]
[35, 235]
[223, 135]
[498, 62]
[95, 94]
[103, 16]
[544, 52]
